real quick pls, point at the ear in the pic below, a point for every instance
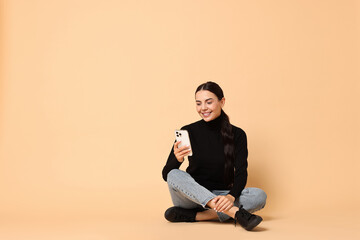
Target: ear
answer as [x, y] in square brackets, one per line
[222, 102]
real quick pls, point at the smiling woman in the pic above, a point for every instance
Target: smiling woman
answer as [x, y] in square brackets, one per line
[207, 105]
[213, 186]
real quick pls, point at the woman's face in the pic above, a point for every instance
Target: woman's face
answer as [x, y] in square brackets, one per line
[208, 105]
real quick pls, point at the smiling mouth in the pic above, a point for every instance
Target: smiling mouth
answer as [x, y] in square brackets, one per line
[206, 114]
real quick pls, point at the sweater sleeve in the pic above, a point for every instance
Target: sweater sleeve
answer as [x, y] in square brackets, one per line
[171, 163]
[241, 164]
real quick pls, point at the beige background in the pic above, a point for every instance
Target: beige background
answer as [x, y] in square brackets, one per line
[91, 92]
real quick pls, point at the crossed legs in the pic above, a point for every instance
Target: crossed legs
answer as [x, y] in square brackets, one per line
[187, 193]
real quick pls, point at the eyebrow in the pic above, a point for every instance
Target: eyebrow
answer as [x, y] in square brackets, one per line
[205, 100]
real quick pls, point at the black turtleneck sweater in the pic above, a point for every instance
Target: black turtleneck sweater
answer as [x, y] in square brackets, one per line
[206, 165]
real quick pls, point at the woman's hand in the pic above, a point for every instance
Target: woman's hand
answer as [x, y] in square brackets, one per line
[180, 153]
[223, 203]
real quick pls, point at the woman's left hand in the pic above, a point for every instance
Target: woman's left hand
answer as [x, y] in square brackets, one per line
[223, 203]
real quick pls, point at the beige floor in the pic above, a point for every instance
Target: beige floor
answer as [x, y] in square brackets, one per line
[329, 224]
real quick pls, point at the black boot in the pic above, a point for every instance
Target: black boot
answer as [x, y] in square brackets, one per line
[178, 214]
[246, 219]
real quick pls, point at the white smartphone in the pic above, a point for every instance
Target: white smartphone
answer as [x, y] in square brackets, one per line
[183, 136]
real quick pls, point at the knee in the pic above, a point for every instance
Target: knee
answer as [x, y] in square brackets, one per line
[261, 196]
[257, 195]
[173, 175]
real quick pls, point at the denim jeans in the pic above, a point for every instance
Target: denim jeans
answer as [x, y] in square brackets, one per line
[187, 193]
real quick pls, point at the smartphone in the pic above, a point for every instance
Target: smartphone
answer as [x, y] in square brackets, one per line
[183, 136]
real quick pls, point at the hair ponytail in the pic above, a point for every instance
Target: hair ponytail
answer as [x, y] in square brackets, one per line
[228, 140]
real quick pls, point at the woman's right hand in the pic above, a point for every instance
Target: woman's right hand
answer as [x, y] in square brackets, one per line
[180, 153]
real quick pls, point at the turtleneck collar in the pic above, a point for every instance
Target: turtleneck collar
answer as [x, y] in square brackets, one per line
[215, 123]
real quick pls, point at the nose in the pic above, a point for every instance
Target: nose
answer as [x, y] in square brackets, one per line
[203, 107]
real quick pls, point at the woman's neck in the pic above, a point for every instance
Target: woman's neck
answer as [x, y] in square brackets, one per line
[215, 123]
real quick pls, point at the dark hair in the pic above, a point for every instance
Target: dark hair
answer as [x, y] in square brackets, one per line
[226, 133]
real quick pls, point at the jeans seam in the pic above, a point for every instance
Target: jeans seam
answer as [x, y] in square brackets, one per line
[181, 190]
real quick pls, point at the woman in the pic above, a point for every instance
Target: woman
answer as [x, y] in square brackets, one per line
[213, 186]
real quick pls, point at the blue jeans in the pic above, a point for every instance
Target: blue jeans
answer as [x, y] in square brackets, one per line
[187, 193]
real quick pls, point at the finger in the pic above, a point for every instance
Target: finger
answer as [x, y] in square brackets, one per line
[186, 147]
[221, 205]
[183, 153]
[229, 207]
[217, 202]
[224, 206]
[225, 202]
[214, 200]
[177, 149]
[181, 156]
[176, 145]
